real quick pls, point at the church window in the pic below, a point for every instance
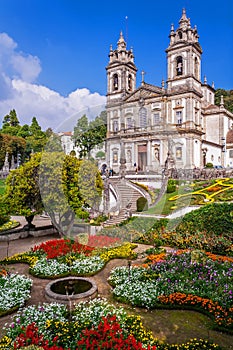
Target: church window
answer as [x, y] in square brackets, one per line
[115, 157]
[196, 73]
[180, 35]
[115, 125]
[156, 118]
[178, 153]
[231, 153]
[142, 117]
[130, 82]
[179, 65]
[115, 82]
[129, 123]
[178, 117]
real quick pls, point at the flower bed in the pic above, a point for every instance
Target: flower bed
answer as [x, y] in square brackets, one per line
[69, 258]
[14, 291]
[92, 324]
[206, 285]
[60, 247]
[9, 226]
[208, 192]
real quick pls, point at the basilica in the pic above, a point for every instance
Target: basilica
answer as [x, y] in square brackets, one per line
[176, 124]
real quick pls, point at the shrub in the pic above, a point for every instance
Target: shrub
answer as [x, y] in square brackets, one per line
[212, 218]
[142, 204]
[4, 216]
[171, 186]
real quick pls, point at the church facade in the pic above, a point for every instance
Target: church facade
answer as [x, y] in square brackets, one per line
[176, 124]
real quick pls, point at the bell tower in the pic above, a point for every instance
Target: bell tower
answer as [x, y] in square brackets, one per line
[184, 56]
[121, 72]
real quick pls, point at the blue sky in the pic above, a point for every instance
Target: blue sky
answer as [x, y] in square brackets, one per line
[53, 53]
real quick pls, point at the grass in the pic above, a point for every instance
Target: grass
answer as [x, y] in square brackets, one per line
[178, 326]
[166, 206]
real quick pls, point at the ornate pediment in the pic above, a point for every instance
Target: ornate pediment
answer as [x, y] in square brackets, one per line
[143, 92]
[211, 109]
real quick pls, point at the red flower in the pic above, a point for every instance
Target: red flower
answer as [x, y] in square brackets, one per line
[59, 247]
[109, 336]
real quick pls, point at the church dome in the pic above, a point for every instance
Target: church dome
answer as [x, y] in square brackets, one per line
[229, 137]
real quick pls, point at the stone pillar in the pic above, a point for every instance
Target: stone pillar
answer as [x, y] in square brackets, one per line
[122, 160]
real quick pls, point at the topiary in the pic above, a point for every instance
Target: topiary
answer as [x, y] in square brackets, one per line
[142, 204]
[171, 186]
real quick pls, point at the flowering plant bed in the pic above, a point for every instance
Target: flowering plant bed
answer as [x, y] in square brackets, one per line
[209, 193]
[92, 324]
[9, 226]
[60, 247]
[63, 257]
[14, 291]
[177, 279]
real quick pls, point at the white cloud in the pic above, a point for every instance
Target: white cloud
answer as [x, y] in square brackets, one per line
[18, 90]
[6, 42]
[27, 67]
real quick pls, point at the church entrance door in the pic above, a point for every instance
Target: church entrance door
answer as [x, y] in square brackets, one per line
[142, 157]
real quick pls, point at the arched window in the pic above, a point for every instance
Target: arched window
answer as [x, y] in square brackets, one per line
[115, 155]
[115, 125]
[142, 117]
[130, 82]
[196, 70]
[180, 35]
[179, 65]
[115, 82]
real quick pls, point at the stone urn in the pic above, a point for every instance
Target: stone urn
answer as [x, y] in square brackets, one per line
[29, 226]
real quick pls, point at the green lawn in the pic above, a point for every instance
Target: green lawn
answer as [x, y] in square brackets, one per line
[166, 206]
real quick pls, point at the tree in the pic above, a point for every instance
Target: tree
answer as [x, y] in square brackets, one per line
[24, 131]
[22, 188]
[37, 139]
[90, 184]
[10, 124]
[11, 145]
[227, 96]
[87, 134]
[34, 136]
[60, 187]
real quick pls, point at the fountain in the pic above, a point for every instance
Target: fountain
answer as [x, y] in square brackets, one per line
[70, 290]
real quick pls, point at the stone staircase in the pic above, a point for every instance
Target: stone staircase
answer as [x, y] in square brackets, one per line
[127, 196]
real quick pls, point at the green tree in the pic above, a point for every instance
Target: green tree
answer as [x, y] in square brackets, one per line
[10, 124]
[22, 188]
[87, 134]
[24, 131]
[37, 139]
[13, 146]
[90, 184]
[60, 189]
[227, 97]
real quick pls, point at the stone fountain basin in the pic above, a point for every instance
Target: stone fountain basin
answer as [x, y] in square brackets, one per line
[70, 299]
